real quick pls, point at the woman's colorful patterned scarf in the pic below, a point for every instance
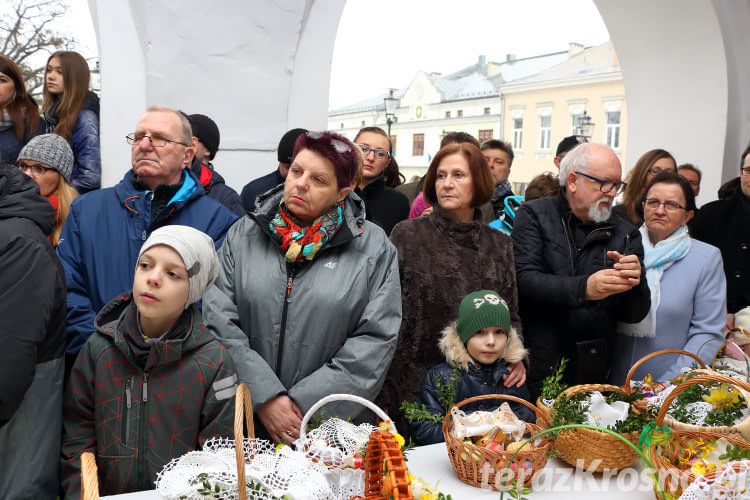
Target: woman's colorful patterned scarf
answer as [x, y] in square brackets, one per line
[300, 244]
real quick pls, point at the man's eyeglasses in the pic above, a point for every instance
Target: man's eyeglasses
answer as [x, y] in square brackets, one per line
[156, 141]
[745, 171]
[654, 171]
[35, 168]
[605, 186]
[380, 154]
[669, 206]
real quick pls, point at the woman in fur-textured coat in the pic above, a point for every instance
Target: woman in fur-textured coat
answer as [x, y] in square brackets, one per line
[441, 258]
[478, 350]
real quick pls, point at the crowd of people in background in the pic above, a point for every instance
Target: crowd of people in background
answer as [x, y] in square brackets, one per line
[129, 314]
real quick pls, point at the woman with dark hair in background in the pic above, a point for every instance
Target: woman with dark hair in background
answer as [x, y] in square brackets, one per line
[71, 110]
[384, 206]
[648, 165]
[19, 114]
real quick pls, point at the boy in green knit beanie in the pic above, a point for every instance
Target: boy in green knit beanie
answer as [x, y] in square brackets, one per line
[477, 348]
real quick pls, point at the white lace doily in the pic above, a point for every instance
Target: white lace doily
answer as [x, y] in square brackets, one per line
[700, 408]
[731, 481]
[286, 472]
[335, 443]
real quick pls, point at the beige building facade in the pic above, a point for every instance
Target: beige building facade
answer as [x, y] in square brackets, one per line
[539, 111]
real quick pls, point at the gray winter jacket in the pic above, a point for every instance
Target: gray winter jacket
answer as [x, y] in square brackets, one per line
[325, 326]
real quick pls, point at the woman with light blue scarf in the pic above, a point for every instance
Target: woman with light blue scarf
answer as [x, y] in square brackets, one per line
[687, 283]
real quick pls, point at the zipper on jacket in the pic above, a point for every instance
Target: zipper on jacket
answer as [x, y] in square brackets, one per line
[145, 387]
[125, 433]
[142, 480]
[282, 332]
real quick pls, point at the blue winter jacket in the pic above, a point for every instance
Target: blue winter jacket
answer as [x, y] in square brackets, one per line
[475, 380]
[103, 234]
[87, 163]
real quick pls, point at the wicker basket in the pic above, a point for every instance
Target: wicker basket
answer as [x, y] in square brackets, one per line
[243, 415]
[469, 460]
[673, 479]
[589, 446]
[546, 410]
[741, 430]
[728, 341]
[654, 354]
[89, 477]
[386, 474]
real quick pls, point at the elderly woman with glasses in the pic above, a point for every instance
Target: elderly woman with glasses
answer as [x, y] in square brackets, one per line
[442, 257]
[648, 165]
[384, 206]
[308, 300]
[687, 284]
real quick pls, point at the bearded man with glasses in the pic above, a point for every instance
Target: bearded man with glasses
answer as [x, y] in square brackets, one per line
[578, 269]
[105, 229]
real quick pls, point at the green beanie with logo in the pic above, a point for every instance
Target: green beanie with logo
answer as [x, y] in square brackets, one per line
[479, 310]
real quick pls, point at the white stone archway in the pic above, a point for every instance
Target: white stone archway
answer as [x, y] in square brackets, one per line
[256, 67]
[261, 67]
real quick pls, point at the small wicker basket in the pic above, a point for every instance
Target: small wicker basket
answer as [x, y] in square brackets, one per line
[587, 446]
[469, 461]
[386, 474]
[654, 354]
[728, 341]
[741, 430]
[674, 479]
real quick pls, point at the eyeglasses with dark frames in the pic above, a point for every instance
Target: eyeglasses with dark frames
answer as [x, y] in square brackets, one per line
[35, 169]
[654, 171]
[380, 154]
[156, 141]
[669, 205]
[605, 186]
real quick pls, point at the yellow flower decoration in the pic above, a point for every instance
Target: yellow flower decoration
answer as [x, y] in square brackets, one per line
[698, 468]
[280, 446]
[707, 448]
[400, 440]
[690, 452]
[722, 397]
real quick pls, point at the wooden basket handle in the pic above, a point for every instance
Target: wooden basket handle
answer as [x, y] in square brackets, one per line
[243, 414]
[447, 421]
[716, 356]
[655, 354]
[701, 379]
[342, 397]
[89, 477]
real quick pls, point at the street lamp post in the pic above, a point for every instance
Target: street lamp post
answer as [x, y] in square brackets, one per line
[391, 103]
[585, 125]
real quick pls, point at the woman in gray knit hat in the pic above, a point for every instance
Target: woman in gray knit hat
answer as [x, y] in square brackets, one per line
[48, 159]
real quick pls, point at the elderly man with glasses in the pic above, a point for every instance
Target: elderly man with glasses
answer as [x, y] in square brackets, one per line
[105, 229]
[578, 269]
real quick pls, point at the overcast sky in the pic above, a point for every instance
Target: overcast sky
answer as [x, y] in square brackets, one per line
[382, 44]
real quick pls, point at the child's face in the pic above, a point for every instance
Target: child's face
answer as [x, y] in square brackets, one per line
[487, 345]
[160, 286]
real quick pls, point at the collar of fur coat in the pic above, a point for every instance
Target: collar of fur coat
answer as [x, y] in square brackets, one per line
[455, 350]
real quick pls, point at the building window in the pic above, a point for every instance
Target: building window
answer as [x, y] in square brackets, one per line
[447, 114]
[486, 111]
[363, 123]
[574, 128]
[460, 112]
[485, 135]
[545, 131]
[393, 144]
[613, 130]
[417, 148]
[517, 133]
